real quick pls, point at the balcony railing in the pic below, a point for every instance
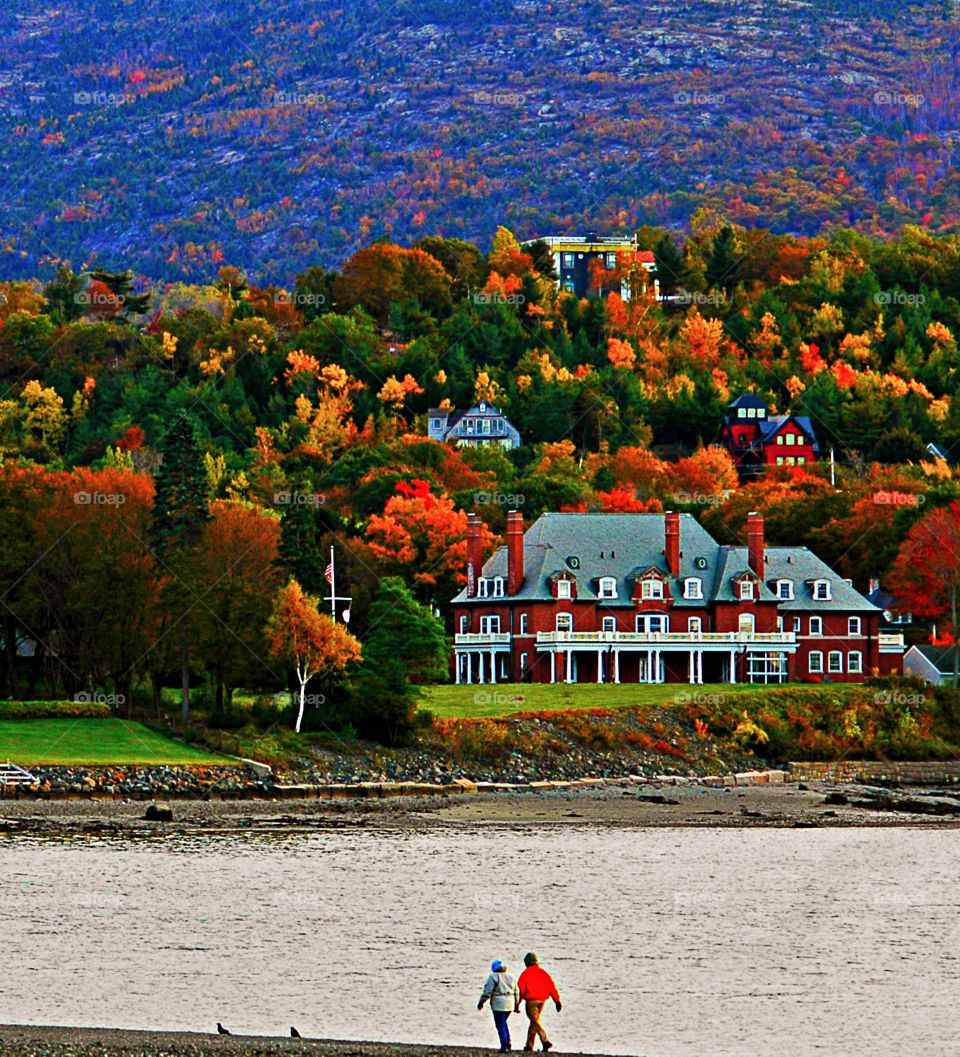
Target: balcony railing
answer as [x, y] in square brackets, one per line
[891, 640]
[661, 638]
[498, 638]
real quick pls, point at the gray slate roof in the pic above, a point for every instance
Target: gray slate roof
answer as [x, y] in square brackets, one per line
[941, 657]
[632, 543]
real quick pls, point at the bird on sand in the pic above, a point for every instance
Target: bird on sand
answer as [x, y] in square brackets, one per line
[221, 1030]
[294, 1034]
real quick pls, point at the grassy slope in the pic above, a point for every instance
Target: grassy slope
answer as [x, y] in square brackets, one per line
[92, 742]
[505, 699]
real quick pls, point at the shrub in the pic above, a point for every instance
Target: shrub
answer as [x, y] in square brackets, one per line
[53, 709]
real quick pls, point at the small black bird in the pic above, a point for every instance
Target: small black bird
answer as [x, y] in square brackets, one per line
[221, 1030]
[294, 1034]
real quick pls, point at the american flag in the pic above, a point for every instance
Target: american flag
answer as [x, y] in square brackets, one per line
[329, 573]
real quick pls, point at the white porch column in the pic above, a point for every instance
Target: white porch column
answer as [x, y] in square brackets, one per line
[457, 666]
[568, 663]
[553, 666]
[649, 666]
[658, 661]
[616, 665]
[481, 679]
[699, 666]
[692, 667]
[600, 666]
[493, 667]
[733, 666]
[468, 657]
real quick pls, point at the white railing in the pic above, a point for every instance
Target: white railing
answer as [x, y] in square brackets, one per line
[660, 638]
[11, 774]
[499, 638]
[892, 640]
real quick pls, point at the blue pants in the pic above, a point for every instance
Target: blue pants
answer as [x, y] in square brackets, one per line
[503, 1030]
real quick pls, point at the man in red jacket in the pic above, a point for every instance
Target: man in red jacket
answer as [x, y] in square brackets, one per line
[536, 986]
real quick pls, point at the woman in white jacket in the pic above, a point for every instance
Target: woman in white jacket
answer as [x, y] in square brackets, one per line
[504, 995]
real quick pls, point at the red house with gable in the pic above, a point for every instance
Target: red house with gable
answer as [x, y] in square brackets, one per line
[653, 598]
[756, 439]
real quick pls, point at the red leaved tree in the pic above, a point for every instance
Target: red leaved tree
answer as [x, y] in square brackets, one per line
[927, 570]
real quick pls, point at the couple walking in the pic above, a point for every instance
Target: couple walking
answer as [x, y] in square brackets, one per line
[534, 987]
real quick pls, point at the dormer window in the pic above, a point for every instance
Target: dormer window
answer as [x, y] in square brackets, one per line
[692, 587]
[498, 587]
[651, 589]
[785, 589]
[483, 587]
[746, 590]
[563, 589]
[821, 590]
[608, 587]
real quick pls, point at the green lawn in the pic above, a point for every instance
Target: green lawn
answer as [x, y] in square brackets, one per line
[504, 699]
[92, 742]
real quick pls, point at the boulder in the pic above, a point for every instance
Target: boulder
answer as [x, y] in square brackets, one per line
[155, 813]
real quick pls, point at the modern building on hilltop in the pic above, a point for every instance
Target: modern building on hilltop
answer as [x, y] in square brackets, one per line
[756, 439]
[573, 254]
[478, 426]
[653, 598]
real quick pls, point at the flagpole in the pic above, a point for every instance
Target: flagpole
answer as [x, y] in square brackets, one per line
[333, 586]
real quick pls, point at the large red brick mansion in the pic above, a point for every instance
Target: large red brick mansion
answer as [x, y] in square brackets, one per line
[654, 598]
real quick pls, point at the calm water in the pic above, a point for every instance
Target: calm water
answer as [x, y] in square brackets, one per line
[664, 942]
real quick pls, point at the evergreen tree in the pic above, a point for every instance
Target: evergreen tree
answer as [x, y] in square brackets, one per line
[121, 284]
[669, 263]
[405, 646]
[724, 260]
[179, 514]
[62, 294]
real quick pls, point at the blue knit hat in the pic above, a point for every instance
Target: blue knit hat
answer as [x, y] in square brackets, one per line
[497, 966]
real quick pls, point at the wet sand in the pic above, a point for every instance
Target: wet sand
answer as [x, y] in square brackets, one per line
[16, 1041]
[785, 805]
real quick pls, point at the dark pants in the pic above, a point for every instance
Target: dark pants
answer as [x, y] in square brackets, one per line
[500, 1019]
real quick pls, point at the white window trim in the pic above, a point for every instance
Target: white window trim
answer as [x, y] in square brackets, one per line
[815, 662]
[483, 587]
[824, 586]
[855, 662]
[464, 623]
[608, 587]
[524, 623]
[564, 589]
[695, 625]
[854, 622]
[819, 632]
[566, 618]
[652, 589]
[835, 656]
[693, 587]
[746, 591]
[609, 621]
[788, 584]
[490, 624]
[498, 587]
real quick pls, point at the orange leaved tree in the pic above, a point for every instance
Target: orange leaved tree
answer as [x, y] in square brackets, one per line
[299, 634]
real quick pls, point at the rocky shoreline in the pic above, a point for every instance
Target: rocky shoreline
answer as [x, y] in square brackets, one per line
[25, 1041]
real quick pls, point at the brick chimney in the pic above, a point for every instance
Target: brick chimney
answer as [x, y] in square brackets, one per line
[514, 551]
[755, 543]
[671, 548]
[474, 555]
